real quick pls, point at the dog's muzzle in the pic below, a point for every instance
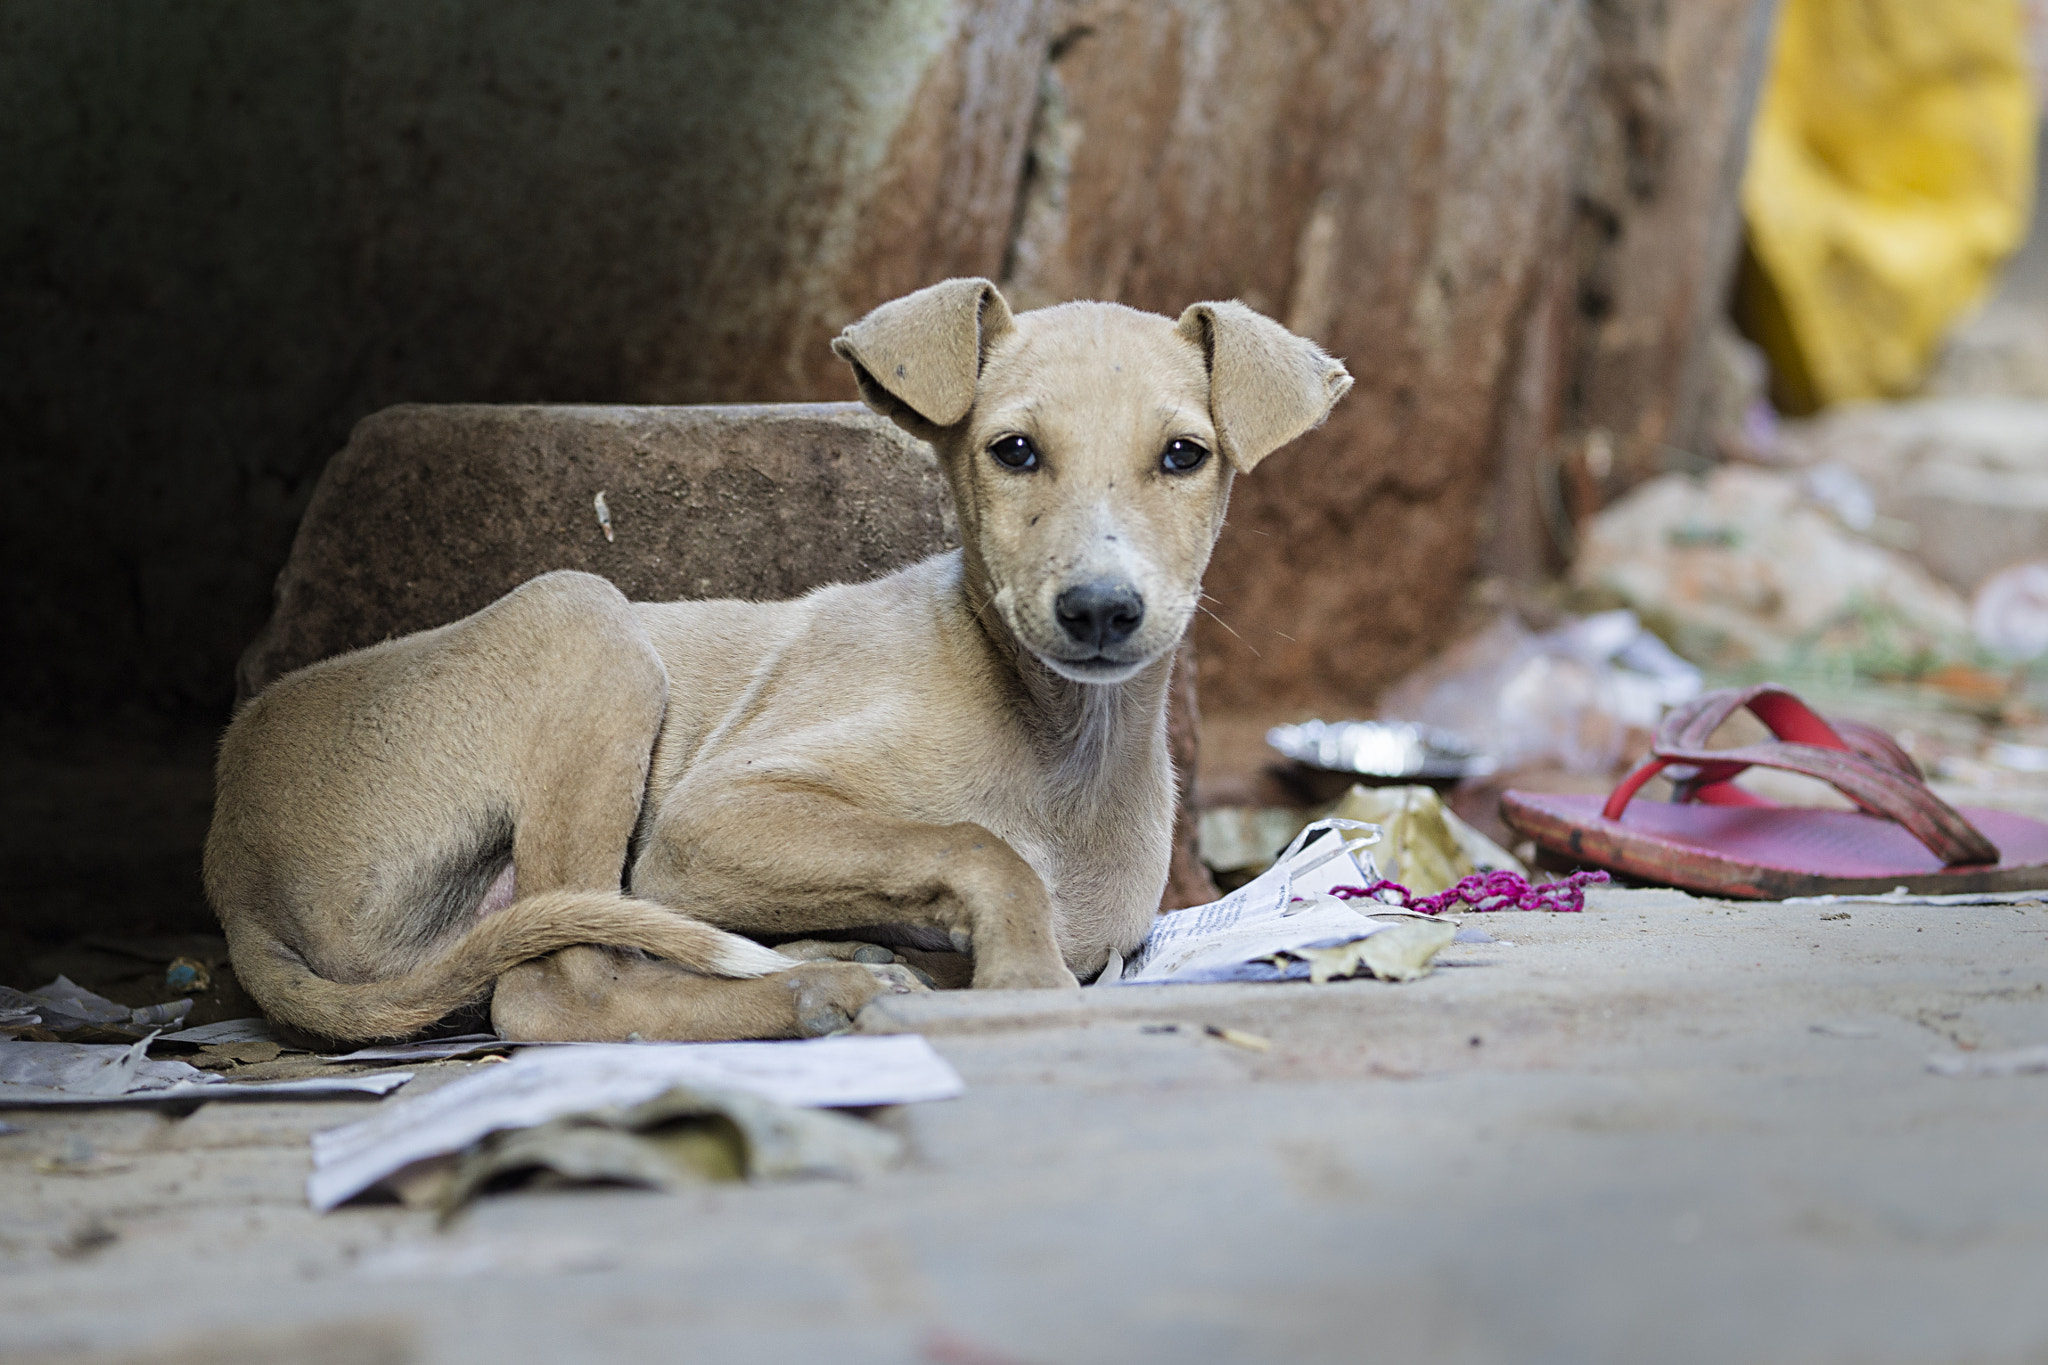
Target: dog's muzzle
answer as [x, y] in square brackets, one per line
[1101, 615]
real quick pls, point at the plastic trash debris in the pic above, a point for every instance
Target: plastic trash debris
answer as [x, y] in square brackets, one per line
[545, 1084]
[17, 1011]
[2009, 613]
[41, 1074]
[1577, 696]
[1744, 570]
[2019, 758]
[1890, 170]
[64, 1006]
[1961, 483]
[188, 974]
[1842, 491]
[1380, 748]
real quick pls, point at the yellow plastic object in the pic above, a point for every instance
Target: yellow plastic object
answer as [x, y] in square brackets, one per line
[1891, 170]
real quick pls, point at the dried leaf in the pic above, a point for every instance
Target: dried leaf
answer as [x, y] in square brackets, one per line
[1399, 952]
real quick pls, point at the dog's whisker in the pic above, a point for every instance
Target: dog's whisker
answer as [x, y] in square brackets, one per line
[1226, 625]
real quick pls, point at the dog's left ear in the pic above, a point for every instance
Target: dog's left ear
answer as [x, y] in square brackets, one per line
[1266, 385]
[918, 358]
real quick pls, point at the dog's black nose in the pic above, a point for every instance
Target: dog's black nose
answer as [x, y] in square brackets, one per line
[1101, 613]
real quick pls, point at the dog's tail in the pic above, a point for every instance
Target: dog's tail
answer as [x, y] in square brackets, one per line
[292, 993]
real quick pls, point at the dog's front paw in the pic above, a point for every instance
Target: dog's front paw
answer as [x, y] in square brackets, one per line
[900, 978]
[829, 994]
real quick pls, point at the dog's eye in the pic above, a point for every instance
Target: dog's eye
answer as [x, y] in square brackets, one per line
[1015, 452]
[1181, 457]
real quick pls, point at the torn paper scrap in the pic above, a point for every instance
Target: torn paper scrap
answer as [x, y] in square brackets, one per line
[64, 1005]
[1898, 895]
[229, 1031]
[102, 1069]
[67, 998]
[2018, 1061]
[550, 1083]
[425, 1049]
[17, 1010]
[214, 1090]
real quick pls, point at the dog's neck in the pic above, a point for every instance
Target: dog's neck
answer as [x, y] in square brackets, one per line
[1086, 732]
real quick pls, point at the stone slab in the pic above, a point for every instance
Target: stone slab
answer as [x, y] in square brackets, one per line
[432, 512]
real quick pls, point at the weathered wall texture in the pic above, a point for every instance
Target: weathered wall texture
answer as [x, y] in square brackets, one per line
[234, 228]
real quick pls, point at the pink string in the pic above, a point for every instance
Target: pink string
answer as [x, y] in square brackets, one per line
[1482, 891]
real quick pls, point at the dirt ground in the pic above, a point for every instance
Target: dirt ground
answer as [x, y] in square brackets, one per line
[1668, 1129]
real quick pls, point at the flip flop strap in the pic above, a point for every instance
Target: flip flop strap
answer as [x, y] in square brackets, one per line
[1810, 747]
[1690, 725]
[1867, 740]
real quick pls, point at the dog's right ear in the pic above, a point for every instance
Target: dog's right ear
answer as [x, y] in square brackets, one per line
[917, 359]
[1266, 385]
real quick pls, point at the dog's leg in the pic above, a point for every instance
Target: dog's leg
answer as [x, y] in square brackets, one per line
[771, 860]
[605, 995]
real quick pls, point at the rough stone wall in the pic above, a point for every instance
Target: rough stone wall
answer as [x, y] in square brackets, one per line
[1390, 178]
[233, 229]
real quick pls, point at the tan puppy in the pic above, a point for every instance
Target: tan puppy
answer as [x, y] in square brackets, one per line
[972, 748]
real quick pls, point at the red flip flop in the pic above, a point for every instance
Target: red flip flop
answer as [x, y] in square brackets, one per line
[1718, 838]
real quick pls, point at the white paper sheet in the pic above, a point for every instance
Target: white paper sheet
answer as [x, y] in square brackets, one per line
[424, 1049]
[1898, 895]
[1214, 941]
[188, 1092]
[548, 1083]
[249, 1030]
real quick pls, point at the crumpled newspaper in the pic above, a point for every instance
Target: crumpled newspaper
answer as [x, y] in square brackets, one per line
[684, 1137]
[417, 1147]
[1285, 926]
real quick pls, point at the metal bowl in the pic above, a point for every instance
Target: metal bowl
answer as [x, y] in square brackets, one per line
[1380, 748]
